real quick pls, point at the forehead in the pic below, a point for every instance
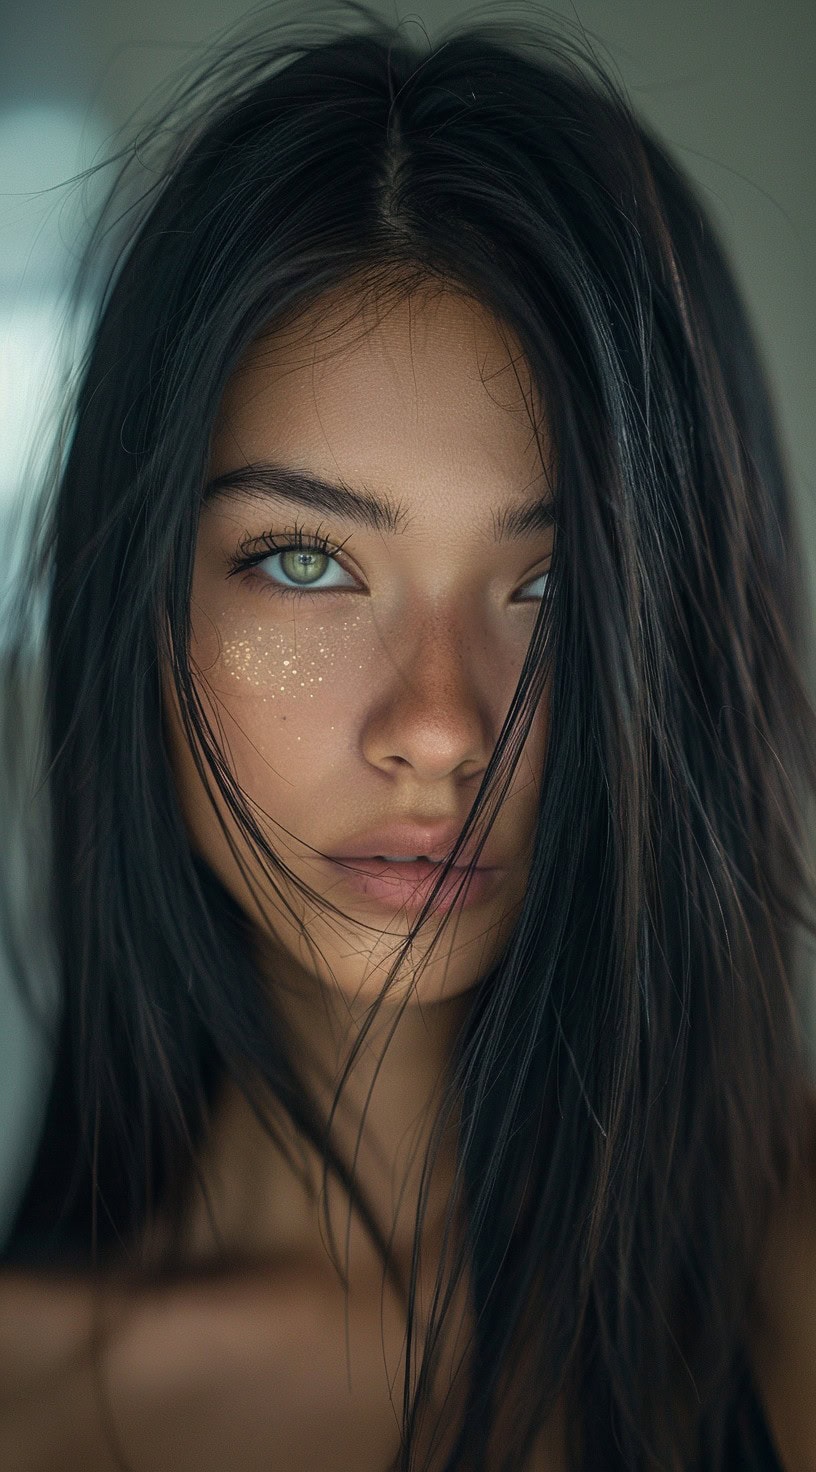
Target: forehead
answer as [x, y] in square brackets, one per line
[428, 397]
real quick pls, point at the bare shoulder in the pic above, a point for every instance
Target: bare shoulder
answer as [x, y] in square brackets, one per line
[247, 1371]
[45, 1325]
[783, 1346]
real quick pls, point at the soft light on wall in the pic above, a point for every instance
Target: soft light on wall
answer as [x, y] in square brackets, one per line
[45, 208]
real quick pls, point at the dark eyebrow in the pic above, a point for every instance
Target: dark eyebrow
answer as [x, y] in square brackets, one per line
[357, 504]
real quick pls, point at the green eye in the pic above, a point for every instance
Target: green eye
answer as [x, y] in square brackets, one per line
[296, 562]
[303, 566]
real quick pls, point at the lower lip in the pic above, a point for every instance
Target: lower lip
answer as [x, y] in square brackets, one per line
[408, 886]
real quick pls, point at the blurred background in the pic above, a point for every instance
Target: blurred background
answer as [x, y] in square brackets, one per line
[727, 83]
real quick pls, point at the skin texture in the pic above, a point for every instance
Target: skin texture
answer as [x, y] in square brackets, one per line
[380, 700]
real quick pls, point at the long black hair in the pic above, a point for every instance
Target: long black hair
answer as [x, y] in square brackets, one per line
[632, 1076]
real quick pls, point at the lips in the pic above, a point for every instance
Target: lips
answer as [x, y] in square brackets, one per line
[428, 841]
[420, 867]
[360, 862]
[408, 886]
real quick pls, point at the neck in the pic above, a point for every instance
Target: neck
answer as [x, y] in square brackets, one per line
[392, 1080]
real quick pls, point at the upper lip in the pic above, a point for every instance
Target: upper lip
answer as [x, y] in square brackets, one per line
[406, 840]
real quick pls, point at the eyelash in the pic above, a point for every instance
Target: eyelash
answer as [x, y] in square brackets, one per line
[269, 544]
[299, 539]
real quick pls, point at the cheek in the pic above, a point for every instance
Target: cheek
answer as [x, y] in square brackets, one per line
[538, 739]
[289, 692]
[520, 806]
[286, 691]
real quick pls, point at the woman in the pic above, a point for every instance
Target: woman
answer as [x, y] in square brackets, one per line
[428, 759]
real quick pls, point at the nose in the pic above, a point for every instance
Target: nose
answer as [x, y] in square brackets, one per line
[434, 708]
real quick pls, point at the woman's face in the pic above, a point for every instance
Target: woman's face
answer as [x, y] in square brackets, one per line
[364, 690]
